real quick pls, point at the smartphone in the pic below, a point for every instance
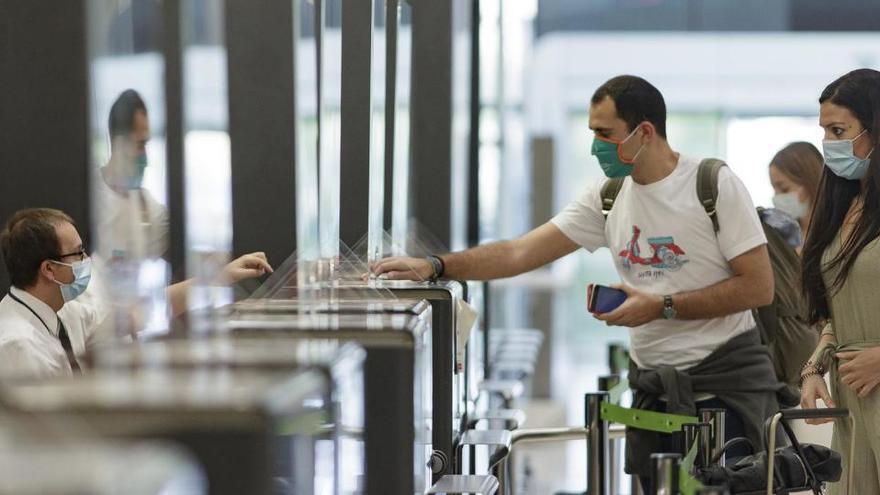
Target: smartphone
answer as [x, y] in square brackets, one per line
[603, 299]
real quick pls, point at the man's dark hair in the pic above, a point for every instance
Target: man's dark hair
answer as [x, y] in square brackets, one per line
[121, 120]
[28, 239]
[636, 101]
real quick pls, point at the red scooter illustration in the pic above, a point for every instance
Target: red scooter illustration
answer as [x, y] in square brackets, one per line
[666, 254]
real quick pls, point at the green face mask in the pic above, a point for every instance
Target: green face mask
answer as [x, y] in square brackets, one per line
[137, 179]
[607, 151]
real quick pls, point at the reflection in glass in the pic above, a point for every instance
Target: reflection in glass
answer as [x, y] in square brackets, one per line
[400, 181]
[330, 76]
[307, 165]
[376, 218]
[128, 164]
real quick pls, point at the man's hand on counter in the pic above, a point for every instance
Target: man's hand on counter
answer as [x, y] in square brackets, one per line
[250, 265]
[400, 268]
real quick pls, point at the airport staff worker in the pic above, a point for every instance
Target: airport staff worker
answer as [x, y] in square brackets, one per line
[43, 331]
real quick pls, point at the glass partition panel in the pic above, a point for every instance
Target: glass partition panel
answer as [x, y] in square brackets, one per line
[400, 181]
[208, 183]
[307, 145]
[376, 216]
[127, 103]
[329, 99]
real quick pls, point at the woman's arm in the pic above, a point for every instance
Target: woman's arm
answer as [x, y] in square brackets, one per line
[813, 385]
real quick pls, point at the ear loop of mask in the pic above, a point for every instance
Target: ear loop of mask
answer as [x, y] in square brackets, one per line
[853, 142]
[633, 159]
[62, 264]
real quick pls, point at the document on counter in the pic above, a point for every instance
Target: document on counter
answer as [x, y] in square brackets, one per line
[465, 317]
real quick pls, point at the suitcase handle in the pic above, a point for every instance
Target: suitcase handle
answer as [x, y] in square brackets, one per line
[825, 412]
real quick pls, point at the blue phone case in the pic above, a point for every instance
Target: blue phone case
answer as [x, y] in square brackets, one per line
[608, 299]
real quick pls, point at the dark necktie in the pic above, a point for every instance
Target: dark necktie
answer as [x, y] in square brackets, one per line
[68, 347]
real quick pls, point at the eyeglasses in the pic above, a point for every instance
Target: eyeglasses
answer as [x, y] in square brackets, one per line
[81, 254]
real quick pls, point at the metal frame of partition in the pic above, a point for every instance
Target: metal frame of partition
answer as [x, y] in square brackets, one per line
[261, 43]
[473, 203]
[172, 48]
[391, 24]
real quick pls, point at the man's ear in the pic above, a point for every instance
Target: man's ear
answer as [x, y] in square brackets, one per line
[648, 131]
[47, 269]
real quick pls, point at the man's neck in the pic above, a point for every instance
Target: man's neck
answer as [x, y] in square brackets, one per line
[656, 165]
[111, 175]
[47, 294]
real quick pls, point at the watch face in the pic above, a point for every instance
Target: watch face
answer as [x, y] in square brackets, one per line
[668, 313]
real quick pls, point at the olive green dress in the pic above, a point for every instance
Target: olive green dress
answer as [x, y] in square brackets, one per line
[855, 315]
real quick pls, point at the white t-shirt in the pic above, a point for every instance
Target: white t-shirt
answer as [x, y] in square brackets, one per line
[663, 243]
[134, 223]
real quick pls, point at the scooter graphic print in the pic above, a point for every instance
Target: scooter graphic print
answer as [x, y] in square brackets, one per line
[665, 254]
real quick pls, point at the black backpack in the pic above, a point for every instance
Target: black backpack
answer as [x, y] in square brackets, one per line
[782, 324]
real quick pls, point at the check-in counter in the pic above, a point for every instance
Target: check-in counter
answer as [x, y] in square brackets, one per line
[253, 431]
[450, 388]
[36, 463]
[397, 381]
[341, 362]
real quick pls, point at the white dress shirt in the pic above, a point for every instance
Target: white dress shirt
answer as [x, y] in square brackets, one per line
[30, 348]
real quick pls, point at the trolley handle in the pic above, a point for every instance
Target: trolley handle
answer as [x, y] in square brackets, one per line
[827, 412]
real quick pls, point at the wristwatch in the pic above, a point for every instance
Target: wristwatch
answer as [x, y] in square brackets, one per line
[669, 311]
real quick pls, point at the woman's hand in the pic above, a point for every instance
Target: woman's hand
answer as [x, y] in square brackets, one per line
[814, 388]
[861, 372]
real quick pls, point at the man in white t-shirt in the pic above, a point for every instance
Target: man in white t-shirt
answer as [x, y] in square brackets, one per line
[131, 222]
[690, 290]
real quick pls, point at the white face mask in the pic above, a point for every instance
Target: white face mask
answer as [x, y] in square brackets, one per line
[791, 205]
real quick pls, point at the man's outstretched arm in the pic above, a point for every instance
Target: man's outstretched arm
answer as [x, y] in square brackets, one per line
[490, 261]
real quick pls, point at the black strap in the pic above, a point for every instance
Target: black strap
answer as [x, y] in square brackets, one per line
[707, 187]
[609, 193]
[62, 335]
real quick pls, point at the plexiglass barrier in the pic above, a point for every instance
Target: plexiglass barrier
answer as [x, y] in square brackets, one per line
[130, 217]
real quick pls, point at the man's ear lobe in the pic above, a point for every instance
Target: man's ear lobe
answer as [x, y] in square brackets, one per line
[47, 269]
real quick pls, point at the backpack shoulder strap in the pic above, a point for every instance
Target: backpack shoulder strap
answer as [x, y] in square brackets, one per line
[707, 187]
[609, 192]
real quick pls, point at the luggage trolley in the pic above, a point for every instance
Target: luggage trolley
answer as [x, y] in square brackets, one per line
[783, 417]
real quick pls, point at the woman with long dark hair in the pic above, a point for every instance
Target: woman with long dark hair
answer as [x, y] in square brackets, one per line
[841, 271]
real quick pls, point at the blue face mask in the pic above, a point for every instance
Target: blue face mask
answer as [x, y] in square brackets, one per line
[840, 159]
[82, 273]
